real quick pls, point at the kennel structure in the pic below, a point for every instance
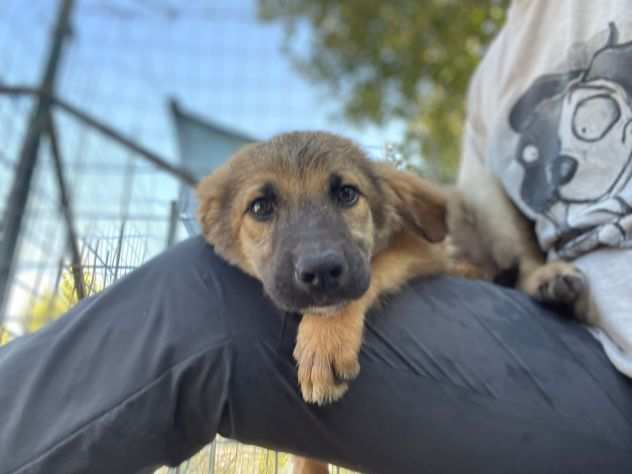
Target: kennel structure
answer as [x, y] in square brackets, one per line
[202, 147]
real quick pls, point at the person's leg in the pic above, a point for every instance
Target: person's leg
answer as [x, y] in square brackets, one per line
[456, 376]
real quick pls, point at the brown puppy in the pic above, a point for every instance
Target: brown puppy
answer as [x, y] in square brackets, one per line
[327, 231]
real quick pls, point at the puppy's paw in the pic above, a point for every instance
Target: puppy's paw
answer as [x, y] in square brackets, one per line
[327, 360]
[556, 282]
[317, 382]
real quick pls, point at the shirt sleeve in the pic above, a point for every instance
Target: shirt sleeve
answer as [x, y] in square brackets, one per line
[474, 139]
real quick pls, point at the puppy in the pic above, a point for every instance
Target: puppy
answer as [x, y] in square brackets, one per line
[327, 231]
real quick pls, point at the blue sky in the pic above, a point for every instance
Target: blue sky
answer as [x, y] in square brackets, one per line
[214, 56]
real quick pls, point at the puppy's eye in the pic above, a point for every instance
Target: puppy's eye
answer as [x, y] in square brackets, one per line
[262, 208]
[347, 195]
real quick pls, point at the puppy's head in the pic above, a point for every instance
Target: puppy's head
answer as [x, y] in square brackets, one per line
[305, 213]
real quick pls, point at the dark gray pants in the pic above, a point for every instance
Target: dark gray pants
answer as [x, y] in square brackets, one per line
[457, 377]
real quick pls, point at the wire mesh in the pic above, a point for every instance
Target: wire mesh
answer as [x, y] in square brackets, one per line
[125, 59]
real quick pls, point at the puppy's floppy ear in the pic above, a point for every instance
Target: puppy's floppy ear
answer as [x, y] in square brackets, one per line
[414, 202]
[215, 194]
[212, 212]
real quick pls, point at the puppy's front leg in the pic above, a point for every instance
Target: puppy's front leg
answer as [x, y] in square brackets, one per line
[327, 348]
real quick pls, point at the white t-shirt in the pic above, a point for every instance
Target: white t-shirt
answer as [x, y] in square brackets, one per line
[550, 114]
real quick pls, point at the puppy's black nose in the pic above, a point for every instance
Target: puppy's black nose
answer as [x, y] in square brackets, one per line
[321, 272]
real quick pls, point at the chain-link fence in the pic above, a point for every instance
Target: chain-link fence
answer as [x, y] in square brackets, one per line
[88, 187]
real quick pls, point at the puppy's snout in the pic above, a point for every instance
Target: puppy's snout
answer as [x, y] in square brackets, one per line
[322, 271]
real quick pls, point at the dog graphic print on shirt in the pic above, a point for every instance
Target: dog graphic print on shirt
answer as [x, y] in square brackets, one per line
[574, 151]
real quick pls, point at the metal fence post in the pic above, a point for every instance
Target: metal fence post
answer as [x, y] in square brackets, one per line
[173, 223]
[66, 208]
[211, 456]
[38, 122]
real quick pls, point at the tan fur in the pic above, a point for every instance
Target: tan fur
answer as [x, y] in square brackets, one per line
[223, 221]
[402, 226]
[308, 466]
